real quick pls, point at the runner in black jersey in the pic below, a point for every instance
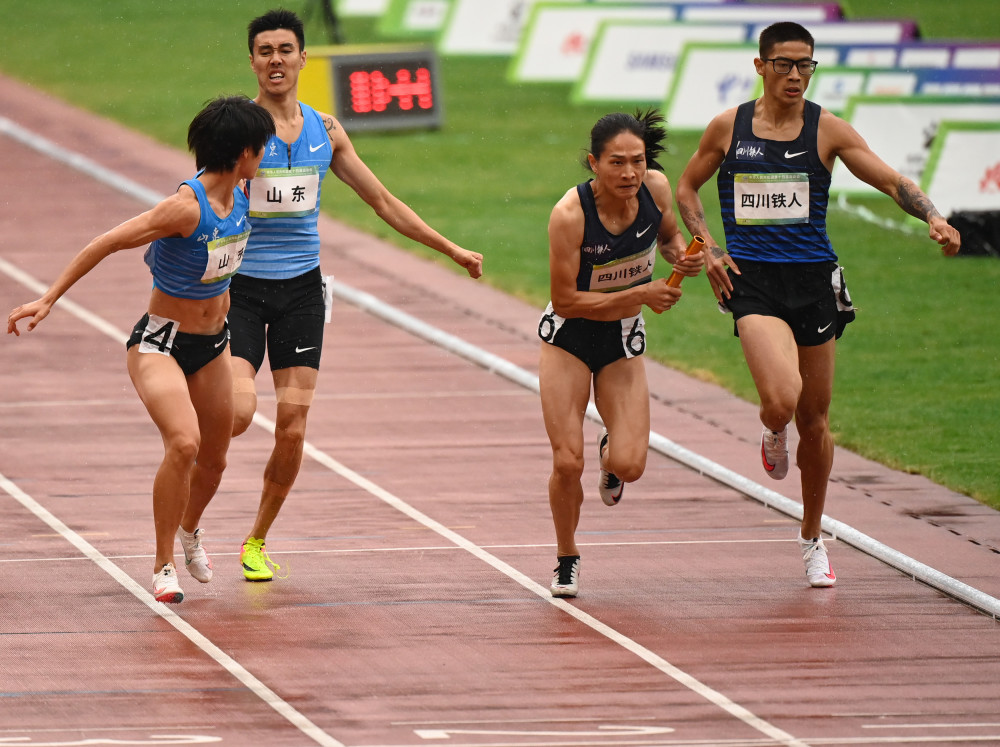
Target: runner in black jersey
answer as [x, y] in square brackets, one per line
[783, 285]
[603, 239]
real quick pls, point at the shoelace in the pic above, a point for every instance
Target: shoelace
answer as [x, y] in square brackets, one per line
[815, 564]
[566, 567]
[775, 441]
[266, 559]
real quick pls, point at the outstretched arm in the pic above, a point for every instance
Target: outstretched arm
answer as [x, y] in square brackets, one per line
[177, 215]
[350, 169]
[839, 139]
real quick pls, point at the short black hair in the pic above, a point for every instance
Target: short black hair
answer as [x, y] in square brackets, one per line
[276, 19]
[649, 126]
[224, 128]
[783, 31]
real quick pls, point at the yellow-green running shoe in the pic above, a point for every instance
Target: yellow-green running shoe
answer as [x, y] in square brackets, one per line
[255, 560]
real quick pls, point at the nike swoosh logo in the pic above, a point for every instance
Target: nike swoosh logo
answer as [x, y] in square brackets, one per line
[821, 330]
[792, 155]
[220, 343]
[302, 350]
[638, 234]
[767, 465]
[314, 148]
[240, 221]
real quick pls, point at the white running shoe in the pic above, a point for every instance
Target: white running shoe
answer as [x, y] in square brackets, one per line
[196, 558]
[165, 585]
[609, 486]
[565, 582]
[819, 572]
[774, 453]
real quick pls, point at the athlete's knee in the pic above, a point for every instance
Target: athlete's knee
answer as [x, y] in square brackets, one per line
[631, 470]
[181, 448]
[242, 418]
[812, 426]
[628, 467]
[567, 463]
[244, 404]
[777, 406]
[290, 435]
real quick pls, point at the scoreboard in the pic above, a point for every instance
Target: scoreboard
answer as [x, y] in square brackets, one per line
[374, 88]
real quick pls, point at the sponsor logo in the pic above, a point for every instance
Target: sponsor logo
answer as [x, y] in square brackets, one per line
[751, 150]
[303, 350]
[792, 155]
[821, 330]
[314, 148]
[638, 234]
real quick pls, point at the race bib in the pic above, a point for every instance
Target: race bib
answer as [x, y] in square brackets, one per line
[284, 193]
[224, 257]
[158, 337]
[768, 199]
[624, 273]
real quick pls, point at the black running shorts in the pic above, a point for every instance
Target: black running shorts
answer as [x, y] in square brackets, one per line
[799, 293]
[285, 317]
[192, 352]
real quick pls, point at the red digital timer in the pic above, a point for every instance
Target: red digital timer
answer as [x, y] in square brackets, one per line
[385, 90]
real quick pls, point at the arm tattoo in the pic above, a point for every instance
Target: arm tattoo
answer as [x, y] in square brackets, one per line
[694, 218]
[914, 201]
[330, 126]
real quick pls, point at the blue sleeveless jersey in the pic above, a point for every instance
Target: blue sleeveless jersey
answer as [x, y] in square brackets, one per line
[199, 266]
[774, 194]
[284, 203]
[612, 262]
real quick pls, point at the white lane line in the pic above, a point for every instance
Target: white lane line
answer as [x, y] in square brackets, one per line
[663, 445]
[223, 659]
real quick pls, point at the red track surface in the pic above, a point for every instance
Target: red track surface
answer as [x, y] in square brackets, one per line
[419, 541]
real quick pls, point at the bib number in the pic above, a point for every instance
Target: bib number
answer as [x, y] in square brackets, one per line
[635, 337]
[284, 193]
[158, 337]
[224, 257]
[770, 199]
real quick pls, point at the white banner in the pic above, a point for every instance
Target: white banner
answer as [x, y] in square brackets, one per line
[633, 61]
[963, 171]
[557, 38]
[901, 131]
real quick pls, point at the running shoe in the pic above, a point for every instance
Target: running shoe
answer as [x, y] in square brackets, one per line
[165, 585]
[609, 486]
[819, 572]
[196, 558]
[774, 453]
[255, 561]
[565, 582]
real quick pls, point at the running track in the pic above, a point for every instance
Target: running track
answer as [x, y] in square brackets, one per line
[418, 537]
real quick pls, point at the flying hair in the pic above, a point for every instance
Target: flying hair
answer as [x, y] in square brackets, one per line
[648, 126]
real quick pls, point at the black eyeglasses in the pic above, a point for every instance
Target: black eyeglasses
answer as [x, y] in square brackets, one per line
[783, 65]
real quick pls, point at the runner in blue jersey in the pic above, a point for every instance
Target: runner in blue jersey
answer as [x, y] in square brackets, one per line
[783, 284]
[278, 303]
[603, 239]
[177, 356]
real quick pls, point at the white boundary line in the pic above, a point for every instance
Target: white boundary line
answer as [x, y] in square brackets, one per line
[663, 445]
[223, 659]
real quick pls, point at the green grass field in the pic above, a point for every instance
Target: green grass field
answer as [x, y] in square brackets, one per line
[916, 371]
